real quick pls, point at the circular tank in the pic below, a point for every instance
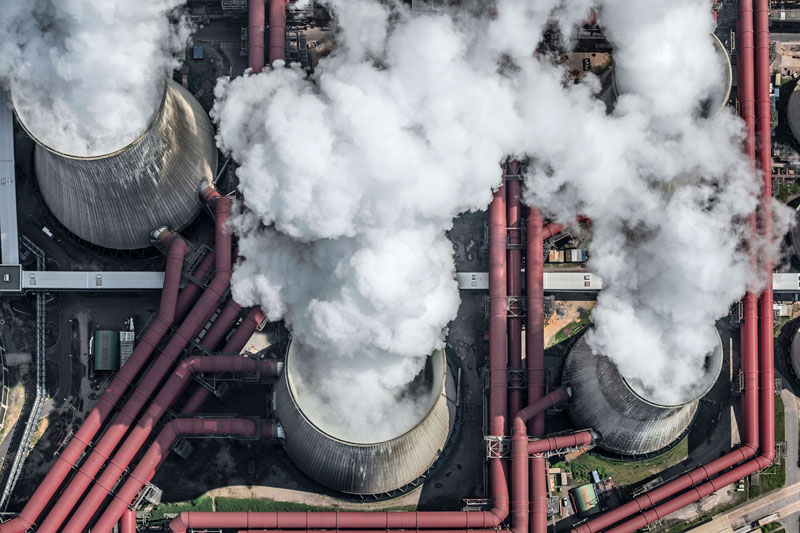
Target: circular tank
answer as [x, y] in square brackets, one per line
[364, 467]
[619, 410]
[115, 200]
[719, 98]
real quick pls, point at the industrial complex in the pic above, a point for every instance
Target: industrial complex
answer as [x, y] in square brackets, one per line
[138, 395]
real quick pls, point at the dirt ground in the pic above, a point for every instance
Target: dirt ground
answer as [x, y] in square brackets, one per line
[566, 313]
[310, 498]
[787, 59]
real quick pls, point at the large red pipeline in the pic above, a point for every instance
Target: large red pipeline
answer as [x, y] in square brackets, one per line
[222, 324]
[408, 521]
[234, 345]
[106, 405]
[189, 294]
[200, 314]
[514, 274]
[534, 350]
[128, 522]
[170, 392]
[766, 313]
[160, 448]
[255, 35]
[277, 31]
[755, 421]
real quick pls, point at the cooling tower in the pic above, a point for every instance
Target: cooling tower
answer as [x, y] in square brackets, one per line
[361, 466]
[115, 200]
[794, 113]
[794, 355]
[719, 98]
[619, 410]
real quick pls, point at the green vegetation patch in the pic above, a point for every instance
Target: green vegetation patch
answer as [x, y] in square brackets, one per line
[204, 503]
[678, 527]
[787, 190]
[771, 527]
[268, 505]
[571, 329]
[262, 504]
[780, 420]
[625, 472]
[778, 325]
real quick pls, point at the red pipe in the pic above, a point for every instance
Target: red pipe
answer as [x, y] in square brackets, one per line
[200, 314]
[175, 429]
[277, 31]
[535, 358]
[247, 327]
[255, 35]
[170, 392]
[234, 345]
[514, 273]
[128, 522]
[190, 292]
[755, 421]
[767, 347]
[222, 324]
[498, 298]
[106, 405]
[335, 521]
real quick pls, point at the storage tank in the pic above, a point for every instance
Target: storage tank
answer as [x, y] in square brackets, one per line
[719, 98]
[360, 465]
[115, 200]
[629, 423]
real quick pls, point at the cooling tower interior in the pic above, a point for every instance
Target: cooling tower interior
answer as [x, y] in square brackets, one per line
[629, 423]
[719, 97]
[355, 465]
[115, 200]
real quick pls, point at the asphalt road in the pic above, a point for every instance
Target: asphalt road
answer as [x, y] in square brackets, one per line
[69, 305]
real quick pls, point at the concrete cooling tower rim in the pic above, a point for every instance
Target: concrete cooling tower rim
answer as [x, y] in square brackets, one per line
[711, 376]
[95, 157]
[437, 385]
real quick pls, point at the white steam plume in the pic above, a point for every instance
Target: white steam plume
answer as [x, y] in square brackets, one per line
[87, 75]
[351, 178]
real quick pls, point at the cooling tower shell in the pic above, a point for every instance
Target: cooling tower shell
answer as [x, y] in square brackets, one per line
[794, 355]
[794, 112]
[628, 424]
[719, 98]
[366, 469]
[115, 200]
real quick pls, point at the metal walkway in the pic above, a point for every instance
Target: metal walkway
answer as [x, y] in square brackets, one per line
[588, 282]
[9, 246]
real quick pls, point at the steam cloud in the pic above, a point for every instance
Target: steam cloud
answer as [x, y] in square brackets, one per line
[87, 75]
[351, 178]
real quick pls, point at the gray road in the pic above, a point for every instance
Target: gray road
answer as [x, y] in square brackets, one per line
[790, 404]
[69, 306]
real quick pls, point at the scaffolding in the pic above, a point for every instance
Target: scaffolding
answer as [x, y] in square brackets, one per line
[41, 389]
